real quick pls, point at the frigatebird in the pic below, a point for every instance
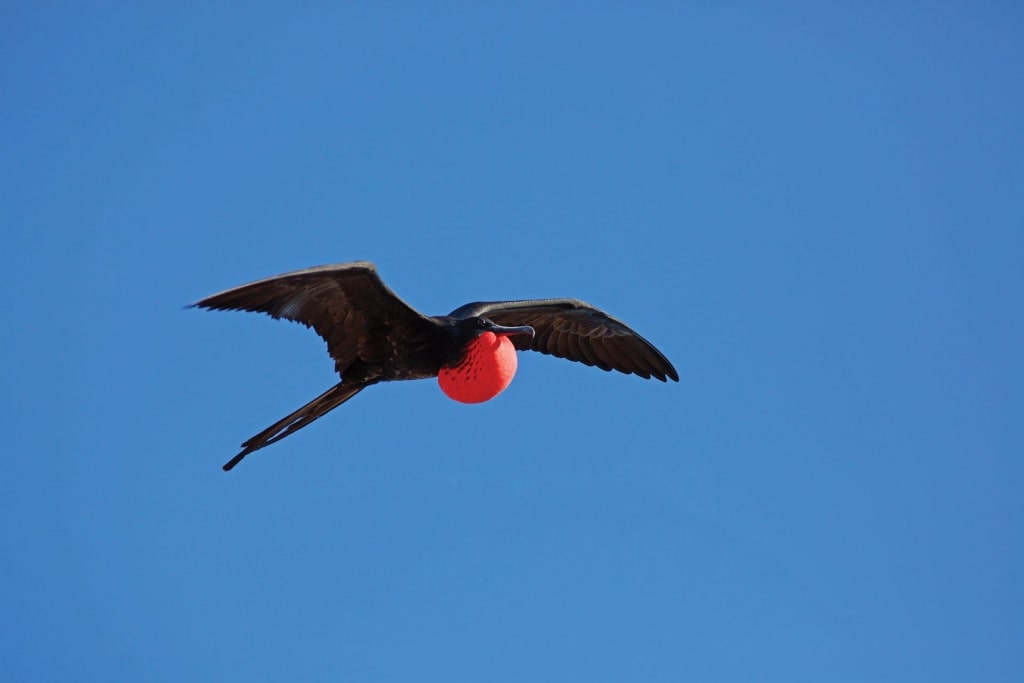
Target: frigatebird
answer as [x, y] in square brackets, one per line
[373, 336]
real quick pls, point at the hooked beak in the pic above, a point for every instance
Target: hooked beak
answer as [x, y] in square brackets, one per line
[503, 331]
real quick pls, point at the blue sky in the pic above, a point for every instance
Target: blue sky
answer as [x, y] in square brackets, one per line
[815, 213]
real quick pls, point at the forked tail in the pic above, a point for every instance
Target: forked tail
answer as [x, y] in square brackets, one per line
[321, 405]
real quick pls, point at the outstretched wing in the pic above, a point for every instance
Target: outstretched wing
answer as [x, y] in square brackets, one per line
[572, 329]
[347, 304]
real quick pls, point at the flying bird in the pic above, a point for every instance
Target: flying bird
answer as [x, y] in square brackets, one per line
[373, 336]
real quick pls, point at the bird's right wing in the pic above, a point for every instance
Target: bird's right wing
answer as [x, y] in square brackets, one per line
[347, 304]
[575, 330]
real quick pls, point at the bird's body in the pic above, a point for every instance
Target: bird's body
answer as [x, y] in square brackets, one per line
[373, 336]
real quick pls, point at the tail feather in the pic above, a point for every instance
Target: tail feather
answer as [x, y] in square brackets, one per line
[321, 405]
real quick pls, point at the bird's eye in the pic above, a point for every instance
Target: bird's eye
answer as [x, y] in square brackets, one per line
[481, 323]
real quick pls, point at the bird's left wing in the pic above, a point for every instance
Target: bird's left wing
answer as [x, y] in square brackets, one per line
[347, 304]
[577, 331]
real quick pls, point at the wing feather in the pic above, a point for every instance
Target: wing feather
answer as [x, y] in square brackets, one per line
[587, 351]
[612, 354]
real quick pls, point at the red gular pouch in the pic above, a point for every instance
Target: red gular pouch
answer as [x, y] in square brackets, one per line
[487, 367]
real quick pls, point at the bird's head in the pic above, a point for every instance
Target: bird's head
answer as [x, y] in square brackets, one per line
[474, 327]
[486, 360]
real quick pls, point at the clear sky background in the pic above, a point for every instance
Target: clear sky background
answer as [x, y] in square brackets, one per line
[814, 212]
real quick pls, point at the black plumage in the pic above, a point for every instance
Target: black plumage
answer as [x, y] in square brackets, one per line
[373, 336]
